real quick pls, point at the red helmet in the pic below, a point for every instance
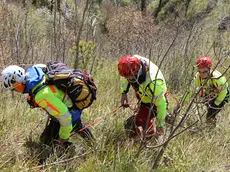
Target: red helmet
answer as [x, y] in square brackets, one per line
[128, 65]
[204, 62]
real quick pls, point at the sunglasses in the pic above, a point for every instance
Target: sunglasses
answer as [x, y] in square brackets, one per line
[204, 72]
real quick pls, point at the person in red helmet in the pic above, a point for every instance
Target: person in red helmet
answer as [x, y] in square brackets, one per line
[150, 88]
[214, 88]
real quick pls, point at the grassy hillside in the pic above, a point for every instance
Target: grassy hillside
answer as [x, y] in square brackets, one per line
[191, 151]
[30, 35]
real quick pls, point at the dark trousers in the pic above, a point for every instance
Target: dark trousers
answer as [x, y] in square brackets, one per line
[213, 109]
[51, 132]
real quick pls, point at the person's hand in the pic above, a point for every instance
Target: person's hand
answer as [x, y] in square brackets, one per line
[124, 100]
[159, 131]
[213, 105]
[31, 102]
[177, 109]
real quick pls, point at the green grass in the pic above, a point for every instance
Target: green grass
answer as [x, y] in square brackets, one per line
[113, 151]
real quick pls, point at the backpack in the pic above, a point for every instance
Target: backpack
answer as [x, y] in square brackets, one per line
[78, 85]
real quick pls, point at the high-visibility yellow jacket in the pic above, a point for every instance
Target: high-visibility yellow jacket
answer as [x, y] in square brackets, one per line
[152, 90]
[216, 87]
[51, 99]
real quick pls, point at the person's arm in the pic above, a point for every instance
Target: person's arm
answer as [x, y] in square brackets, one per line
[56, 108]
[124, 86]
[222, 88]
[192, 89]
[124, 90]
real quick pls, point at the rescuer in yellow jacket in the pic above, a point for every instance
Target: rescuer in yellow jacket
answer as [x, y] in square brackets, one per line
[150, 88]
[213, 88]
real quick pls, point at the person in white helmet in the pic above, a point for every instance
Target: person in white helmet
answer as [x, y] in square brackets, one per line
[65, 117]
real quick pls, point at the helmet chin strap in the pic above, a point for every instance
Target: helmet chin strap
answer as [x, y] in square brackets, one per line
[24, 82]
[143, 71]
[141, 74]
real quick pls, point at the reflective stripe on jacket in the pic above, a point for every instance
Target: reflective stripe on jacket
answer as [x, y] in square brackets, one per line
[50, 98]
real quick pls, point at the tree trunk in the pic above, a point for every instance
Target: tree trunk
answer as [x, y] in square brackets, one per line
[78, 37]
[187, 3]
[59, 5]
[160, 6]
[143, 7]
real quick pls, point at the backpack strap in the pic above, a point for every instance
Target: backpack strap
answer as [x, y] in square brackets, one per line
[33, 93]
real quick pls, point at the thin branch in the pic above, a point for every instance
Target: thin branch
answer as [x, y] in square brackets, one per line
[79, 35]
[153, 98]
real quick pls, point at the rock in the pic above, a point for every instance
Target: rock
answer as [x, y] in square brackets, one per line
[224, 23]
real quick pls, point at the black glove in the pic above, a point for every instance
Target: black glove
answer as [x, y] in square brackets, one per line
[213, 105]
[177, 109]
[31, 102]
[67, 144]
[64, 148]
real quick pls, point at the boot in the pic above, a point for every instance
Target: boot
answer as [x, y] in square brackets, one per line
[211, 123]
[169, 119]
[130, 126]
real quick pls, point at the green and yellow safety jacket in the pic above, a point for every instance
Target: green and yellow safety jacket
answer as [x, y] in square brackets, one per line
[152, 90]
[216, 87]
[51, 99]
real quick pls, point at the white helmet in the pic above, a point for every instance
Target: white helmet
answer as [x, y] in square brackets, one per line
[11, 74]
